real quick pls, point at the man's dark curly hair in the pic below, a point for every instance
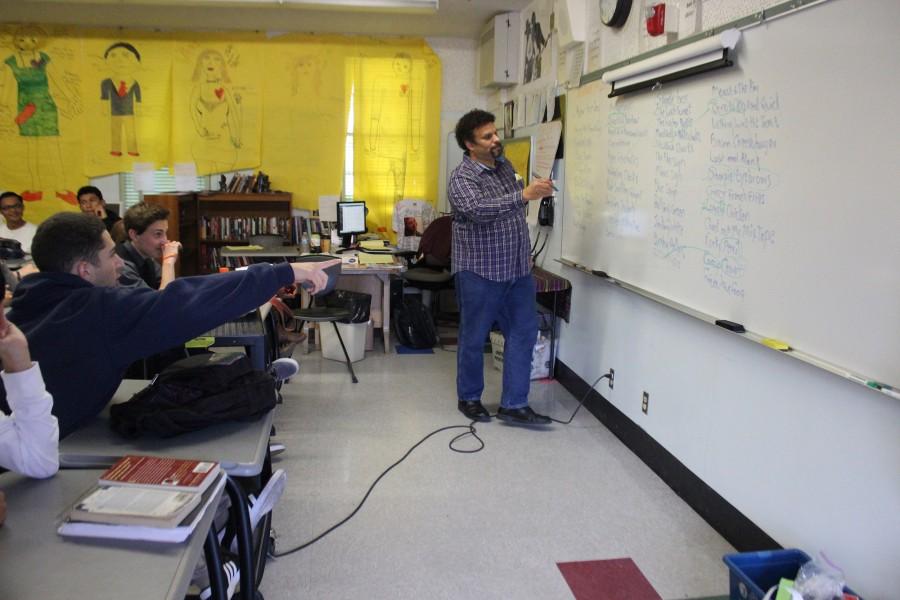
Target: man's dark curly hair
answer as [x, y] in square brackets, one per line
[472, 120]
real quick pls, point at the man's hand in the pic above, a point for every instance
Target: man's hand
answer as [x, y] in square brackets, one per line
[170, 252]
[313, 273]
[537, 189]
[13, 347]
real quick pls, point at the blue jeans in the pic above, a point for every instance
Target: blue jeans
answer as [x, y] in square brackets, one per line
[512, 305]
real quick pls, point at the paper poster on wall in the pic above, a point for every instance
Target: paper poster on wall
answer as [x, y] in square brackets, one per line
[128, 86]
[545, 145]
[520, 111]
[538, 32]
[143, 177]
[217, 102]
[41, 112]
[328, 208]
[185, 177]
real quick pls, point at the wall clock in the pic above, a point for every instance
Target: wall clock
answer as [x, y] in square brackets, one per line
[614, 13]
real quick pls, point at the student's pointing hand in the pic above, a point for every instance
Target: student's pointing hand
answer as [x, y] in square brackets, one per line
[313, 273]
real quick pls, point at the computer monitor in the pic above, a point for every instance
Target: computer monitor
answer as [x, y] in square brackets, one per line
[351, 220]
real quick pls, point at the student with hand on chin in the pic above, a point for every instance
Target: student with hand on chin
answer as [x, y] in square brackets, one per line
[91, 202]
[149, 255]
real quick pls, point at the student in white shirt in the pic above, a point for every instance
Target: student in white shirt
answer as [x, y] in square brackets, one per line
[29, 437]
[15, 227]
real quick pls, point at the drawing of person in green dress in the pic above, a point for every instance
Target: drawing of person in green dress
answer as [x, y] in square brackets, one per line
[36, 111]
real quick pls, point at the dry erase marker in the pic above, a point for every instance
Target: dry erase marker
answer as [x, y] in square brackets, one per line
[776, 344]
[536, 176]
[879, 386]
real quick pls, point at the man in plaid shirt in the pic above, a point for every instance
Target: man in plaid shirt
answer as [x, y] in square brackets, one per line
[492, 263]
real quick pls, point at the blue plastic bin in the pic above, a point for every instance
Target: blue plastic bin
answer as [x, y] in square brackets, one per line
[751, 574]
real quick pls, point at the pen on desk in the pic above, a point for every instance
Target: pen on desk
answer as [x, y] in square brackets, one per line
[536, 176]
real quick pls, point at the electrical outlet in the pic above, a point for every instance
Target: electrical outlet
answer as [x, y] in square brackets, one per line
[612, 378]
[645, 402]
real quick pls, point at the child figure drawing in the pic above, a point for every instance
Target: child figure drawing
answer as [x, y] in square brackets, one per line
[216, 113]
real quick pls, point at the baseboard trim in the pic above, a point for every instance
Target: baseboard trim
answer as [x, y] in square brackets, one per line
[728, 521]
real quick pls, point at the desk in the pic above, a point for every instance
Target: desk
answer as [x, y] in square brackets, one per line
[247, 331]
[240, 448]
[383, 274]
[38, 563]
[380, 272]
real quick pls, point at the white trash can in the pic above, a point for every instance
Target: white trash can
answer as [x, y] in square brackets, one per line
[540, 356]
[354, 336]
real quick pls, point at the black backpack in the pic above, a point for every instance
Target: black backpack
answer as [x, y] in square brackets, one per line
[194, 393]
[11, 249]
[413, 324]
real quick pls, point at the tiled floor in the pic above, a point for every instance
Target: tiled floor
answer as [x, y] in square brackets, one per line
[492, 524]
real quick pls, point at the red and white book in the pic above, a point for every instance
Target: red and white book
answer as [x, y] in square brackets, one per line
[175, 474]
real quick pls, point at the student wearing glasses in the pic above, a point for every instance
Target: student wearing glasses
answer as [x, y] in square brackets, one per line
[15, 227]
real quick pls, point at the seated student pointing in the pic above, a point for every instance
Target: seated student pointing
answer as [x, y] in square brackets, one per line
[85, 330]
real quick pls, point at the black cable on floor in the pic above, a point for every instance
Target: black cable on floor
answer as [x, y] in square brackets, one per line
[470, 430]
[583, 399]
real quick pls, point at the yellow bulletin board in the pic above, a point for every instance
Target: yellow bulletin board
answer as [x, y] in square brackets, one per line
[518, 152]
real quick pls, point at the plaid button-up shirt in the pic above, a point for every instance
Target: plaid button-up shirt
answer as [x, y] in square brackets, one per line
[490, 236]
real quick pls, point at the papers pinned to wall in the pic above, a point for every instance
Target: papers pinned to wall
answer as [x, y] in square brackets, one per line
[328, 208]
[143, 177]
[186, 177]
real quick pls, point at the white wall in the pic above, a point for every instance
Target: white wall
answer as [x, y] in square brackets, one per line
[459, 94]
[811, 458]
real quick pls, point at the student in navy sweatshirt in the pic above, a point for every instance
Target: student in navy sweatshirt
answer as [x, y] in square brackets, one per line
[85, 331]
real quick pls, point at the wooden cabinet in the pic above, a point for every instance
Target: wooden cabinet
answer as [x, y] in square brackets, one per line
[206, 221]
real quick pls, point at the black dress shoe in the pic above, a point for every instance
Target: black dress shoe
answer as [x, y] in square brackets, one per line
[474, 410]
[521, 416]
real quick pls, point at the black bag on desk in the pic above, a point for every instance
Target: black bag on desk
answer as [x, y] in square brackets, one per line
[194, 393]
[412, 323]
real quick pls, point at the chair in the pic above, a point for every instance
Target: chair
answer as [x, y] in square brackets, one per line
[429, 268]
[316, 312]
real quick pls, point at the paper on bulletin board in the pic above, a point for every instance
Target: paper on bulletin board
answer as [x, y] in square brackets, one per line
[546, 143]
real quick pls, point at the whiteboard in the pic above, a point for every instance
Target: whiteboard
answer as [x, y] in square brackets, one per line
[764, 194]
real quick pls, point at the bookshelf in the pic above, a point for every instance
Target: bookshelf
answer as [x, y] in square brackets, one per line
[210, 220]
